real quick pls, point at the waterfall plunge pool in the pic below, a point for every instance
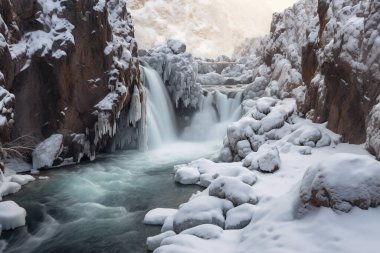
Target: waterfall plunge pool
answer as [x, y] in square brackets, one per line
[100, 206]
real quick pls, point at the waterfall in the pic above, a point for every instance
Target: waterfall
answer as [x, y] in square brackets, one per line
[216, 112]
[160, 113]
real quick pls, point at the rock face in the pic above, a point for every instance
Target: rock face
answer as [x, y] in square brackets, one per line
[67, 67]
[325, 54]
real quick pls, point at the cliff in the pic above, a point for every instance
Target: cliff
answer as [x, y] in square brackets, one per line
[326, 54]
[69, 67]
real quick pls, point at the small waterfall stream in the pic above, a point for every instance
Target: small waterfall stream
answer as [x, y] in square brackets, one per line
[160, 112]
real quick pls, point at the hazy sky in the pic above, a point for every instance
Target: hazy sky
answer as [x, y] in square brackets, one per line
[209, 27]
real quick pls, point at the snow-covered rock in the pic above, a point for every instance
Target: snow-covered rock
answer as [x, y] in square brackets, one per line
[210, 171]
[11, 215]
[47, 151]
[186, 174]
[239, 217]
[201, 210]
[158, 216]
[266, 159]
[155, 241]
[341, 182]
[205, 231]
[234, 190]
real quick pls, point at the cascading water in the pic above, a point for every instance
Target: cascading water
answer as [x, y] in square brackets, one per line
[217, 111]
[160, 112]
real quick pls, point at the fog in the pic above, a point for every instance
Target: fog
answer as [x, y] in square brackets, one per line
[209, 27]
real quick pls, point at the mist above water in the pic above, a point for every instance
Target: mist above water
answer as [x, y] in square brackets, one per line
[209, 28]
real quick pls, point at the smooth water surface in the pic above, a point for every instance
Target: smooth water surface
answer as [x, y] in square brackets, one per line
[99, 206]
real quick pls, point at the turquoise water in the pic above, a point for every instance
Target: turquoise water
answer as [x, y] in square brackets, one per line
[99, 206]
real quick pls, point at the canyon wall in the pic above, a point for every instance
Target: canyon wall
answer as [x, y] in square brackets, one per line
[68, 67]
[326, 54]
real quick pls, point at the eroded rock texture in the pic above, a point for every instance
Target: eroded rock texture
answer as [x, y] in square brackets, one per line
[67, 67]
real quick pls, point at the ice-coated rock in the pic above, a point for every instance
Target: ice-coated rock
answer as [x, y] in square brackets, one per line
[232, 189]
[201, 210]
[11, 215]
[176, 46]
[155, 241]
[341, 182]
[158, 216]
[47, 151]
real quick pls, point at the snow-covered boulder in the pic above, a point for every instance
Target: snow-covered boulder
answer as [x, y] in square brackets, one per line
[210, 171]
[155, 241]
[239, 217]
[341, 182]
[186, 174]
[11, 215]
[201, 210]
[7, 187]
[47, 151]
[158, 216]
[232, 189]
[266, 159]
[205, 231]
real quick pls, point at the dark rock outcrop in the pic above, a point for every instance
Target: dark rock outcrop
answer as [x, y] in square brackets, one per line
[72, 69]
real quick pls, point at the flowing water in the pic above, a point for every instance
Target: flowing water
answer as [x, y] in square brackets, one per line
[100, 206]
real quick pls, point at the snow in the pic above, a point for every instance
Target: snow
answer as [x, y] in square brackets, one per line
[206, 231]
[341, 182]
[158, 216]
[201, 210]
[11, 215]
[266, 159]
[240, 216]
[47, 151]
[155, 241]
[233, 190]
[21, 179]
[186, 175]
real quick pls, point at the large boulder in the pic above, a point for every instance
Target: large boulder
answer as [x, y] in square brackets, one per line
[342, 182]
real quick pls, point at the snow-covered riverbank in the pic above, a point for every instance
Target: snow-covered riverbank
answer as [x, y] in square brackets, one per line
[271, 201]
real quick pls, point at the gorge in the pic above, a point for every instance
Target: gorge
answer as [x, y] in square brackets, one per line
[274, 147]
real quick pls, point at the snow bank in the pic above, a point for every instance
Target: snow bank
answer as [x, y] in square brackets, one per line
[341, 182]
[158, 216]
[47, 151]
[11, 215]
